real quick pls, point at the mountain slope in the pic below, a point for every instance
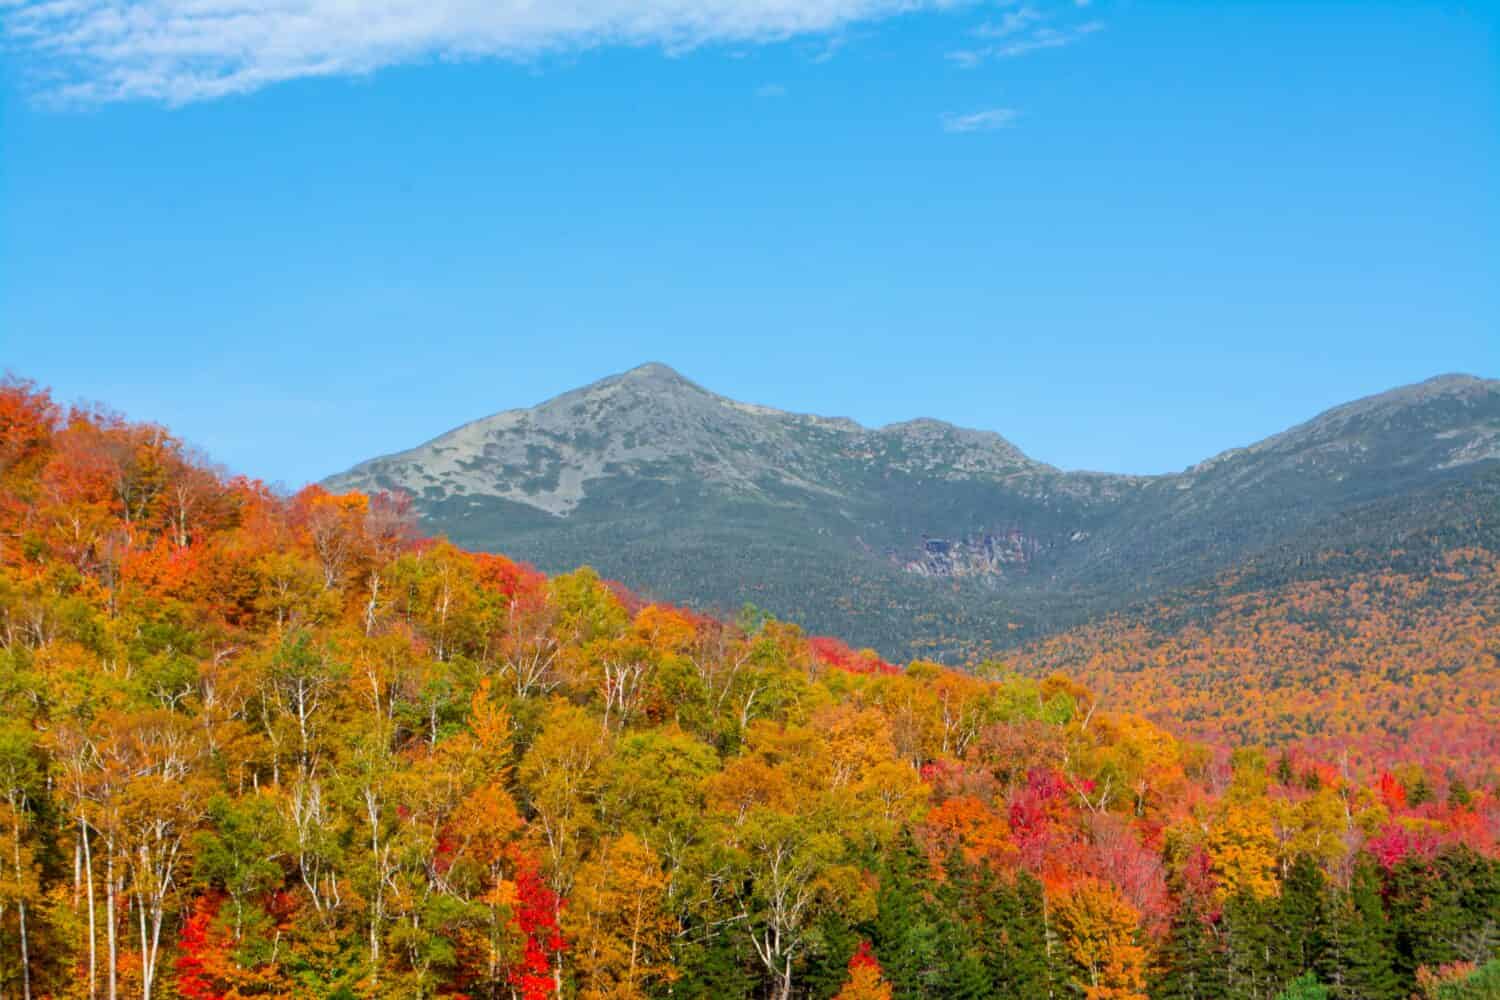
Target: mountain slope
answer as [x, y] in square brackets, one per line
[909, 535]
[1360, 631]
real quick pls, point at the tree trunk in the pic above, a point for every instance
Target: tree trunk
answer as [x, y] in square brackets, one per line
[372, 810]
[146, 968]
[15, 846]
[88, 872]
[111, 920]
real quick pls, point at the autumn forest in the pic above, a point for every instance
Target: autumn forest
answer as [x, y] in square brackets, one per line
[256, 745]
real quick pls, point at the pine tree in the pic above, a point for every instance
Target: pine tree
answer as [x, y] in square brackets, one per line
[1014, 946]
[903, 937]
[1305, 987]
[714, 966]
[1365, 972]
[959, 973]
[1251, 939]
[1301, 920]
[1193, 963]
[827, 967]
[1442, 911]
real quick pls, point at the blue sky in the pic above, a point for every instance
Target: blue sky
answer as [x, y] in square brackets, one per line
[1126, 235]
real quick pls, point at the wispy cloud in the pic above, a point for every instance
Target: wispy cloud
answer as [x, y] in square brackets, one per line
[980, 121]
[770, 90]
[1018, 33]
[1013, 22]
[178, 51]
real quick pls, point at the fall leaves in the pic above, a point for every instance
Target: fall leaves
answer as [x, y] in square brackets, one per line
[1381, 663]
[265, 746]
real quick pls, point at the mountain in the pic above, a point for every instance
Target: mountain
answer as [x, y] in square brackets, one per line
[908, 536]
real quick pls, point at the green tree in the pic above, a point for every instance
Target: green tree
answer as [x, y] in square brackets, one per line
[1192, 962]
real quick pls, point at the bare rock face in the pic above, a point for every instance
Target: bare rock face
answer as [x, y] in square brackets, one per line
[706, 500]
[988, 557]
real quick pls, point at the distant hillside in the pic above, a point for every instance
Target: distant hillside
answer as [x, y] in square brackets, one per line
[1375, 639]
[910, 536]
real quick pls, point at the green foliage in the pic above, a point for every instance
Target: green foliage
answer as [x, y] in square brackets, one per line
[1305, 987]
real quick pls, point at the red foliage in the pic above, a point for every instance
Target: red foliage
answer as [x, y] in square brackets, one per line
[1392, 792]
[507, 576]
[864, 958]
[192, 945]
[1396, 843]
[536, 918]
[834, 653]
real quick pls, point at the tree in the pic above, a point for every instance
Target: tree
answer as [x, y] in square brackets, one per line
[1193, 962]
[904, 934]
[1016, 939]
[866, 982]
[238, 854]
[1242, 844]
[563, 774]
[160, 806]
[1303, 918]
[538, 974]
[20, 783]
[1100, 931]
[618, 924]
[1359, 944]
[792, 869]
[1305, 987]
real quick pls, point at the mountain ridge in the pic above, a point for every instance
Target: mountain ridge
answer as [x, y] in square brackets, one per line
[709, 501]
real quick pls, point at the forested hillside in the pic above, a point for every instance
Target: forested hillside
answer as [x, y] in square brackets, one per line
[255, 746]
[1372, 652]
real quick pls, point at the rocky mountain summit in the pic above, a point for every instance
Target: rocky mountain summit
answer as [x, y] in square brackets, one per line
[653, 423]
[698, 498]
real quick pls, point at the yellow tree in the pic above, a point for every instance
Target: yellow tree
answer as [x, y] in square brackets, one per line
[1101, 931]
[1242, 844]
[1242, 840]
[481, 829]
[619, 924]
[563, 775]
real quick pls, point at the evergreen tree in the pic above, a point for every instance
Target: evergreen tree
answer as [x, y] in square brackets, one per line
[827, 967]
[1357, 960]
[1305, 987]
[714, 966]
[903, 937]
[1018, 957]
[1475, 881]
[1302, 919]
[1192, 962]
[1251, 967]
[1442, 911]
[960, 973]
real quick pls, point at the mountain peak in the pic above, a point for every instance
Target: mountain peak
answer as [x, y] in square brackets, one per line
[653, 371]
[1454, 380]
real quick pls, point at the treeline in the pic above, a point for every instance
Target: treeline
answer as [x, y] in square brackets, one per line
[254, 746]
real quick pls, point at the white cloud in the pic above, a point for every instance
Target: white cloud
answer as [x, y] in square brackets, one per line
[1016, 38]
[980, 121]
[179, 51]
[1049, 38]
[770, 90]
[1014, 22]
